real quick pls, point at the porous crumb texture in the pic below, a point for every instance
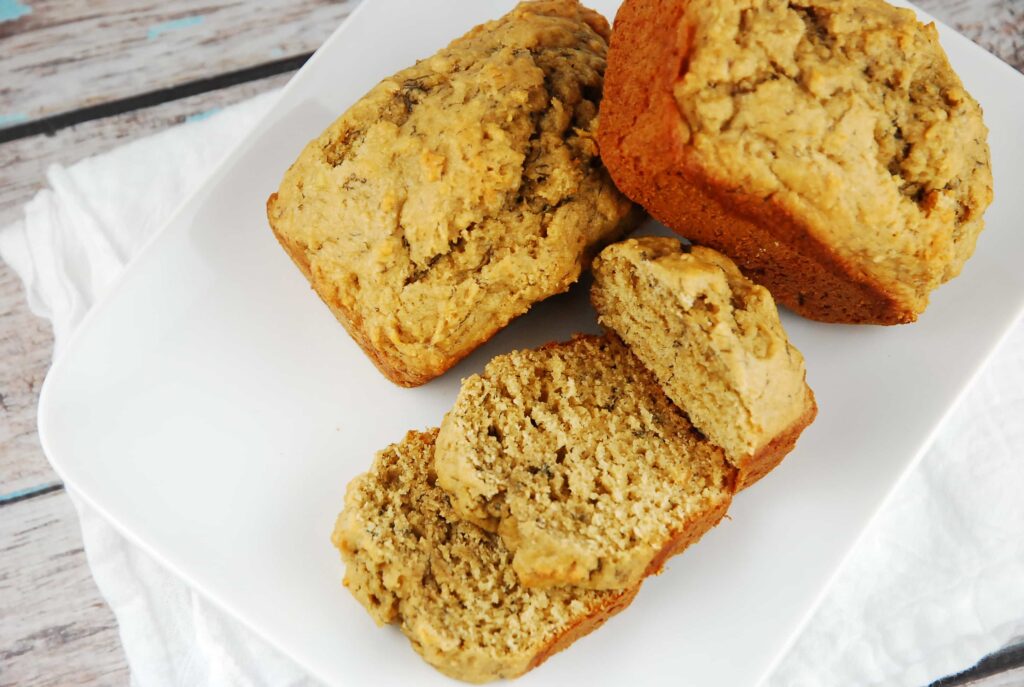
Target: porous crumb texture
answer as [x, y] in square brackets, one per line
[825, 145]
[575, 456]
[459, 191]
[712, 338]
[447, 583]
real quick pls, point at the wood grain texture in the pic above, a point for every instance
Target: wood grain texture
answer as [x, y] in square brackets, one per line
[55, 631]
[65, 55]
[996, 25]
[26, 344]
[1001, 669]
[27, 159]
[1011, 678]
[26, 341]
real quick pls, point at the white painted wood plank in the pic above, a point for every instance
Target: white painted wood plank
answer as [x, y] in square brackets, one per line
[25, 340]
[25, 347]
[60, 55]
[55, 630]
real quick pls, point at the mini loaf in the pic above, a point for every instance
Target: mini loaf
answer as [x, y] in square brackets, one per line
[459, 191]
[826, 146]
[448, 584]
[574, 455]
[714, 340]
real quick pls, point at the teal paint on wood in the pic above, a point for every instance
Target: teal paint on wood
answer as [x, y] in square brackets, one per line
[158, 30]
[14, 117]
[29, 492]
[200, 116]
[12, 9]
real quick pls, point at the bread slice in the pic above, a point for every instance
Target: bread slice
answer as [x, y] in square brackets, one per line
[459, 191]
[576, 457]
[448, 584]
[826, 146]
[714, 340]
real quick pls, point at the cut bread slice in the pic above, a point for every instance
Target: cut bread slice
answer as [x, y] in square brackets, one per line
[714, 340]
[575, 456]
[448, 584]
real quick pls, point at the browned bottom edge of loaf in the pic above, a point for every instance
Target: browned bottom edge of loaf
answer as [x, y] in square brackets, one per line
[772, 249]
[690, 534]
[764, 461]
[391, 368]
[584, 626]
[388, 368]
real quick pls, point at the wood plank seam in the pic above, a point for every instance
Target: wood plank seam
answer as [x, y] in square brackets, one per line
[29, 493]
[55, 630]
[59, 56]
[54, 123]
[1003, 661]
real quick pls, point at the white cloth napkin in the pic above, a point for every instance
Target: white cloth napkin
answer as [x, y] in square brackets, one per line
[937, 583]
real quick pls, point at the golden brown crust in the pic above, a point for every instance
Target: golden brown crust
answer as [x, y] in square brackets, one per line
[584, 626]
[765, 460]
[396, 370]
[459, 191]
[641, 145]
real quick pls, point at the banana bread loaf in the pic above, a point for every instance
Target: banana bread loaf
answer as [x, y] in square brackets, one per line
[826, 146]
[459, 191]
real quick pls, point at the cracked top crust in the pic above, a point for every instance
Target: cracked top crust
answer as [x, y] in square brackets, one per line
[459, 191]
[846, 114]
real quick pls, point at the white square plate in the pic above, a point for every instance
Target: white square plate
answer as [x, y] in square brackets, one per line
[213, 409]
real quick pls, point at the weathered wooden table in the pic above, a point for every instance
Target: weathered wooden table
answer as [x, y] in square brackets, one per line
[78, 78]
